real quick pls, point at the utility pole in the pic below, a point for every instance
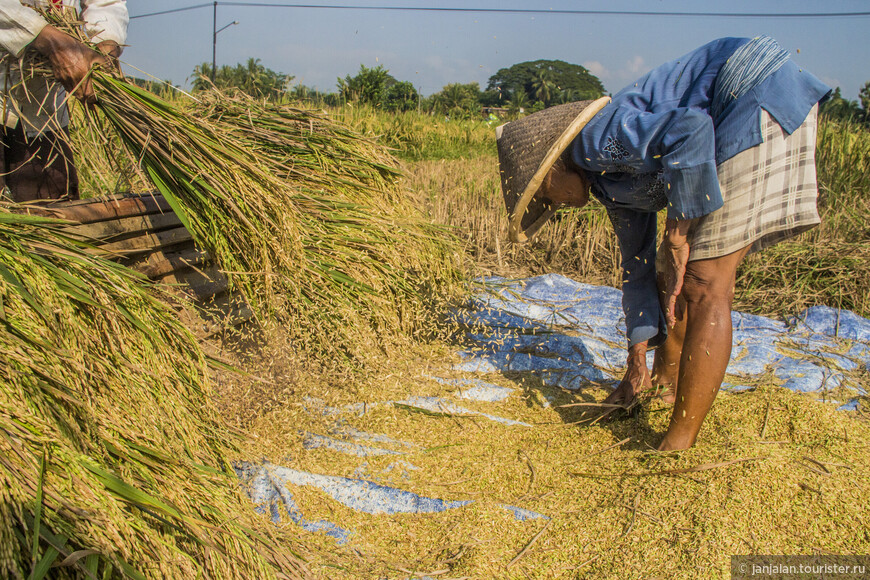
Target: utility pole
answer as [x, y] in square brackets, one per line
[214, 32]
[213, 41]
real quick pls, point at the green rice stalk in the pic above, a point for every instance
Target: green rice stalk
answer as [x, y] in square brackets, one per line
[112, 461]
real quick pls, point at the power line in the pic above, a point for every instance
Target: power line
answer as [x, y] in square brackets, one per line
[172, 11]
[522, 11]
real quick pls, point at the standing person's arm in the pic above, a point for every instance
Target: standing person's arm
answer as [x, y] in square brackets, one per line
[106, 22]
[71, 61]
[19, 26]
[23, 28]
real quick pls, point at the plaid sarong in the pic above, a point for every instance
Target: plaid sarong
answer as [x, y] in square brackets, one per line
[770, 193]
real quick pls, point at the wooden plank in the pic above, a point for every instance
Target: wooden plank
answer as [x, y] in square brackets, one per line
[160, 263]
[149, 242]
[101, 209]
[106, 230]
[158, 246]
[197, 284]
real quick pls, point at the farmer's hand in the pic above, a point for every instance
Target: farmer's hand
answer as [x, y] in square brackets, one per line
[677, 257]
[636, 379]
[71, 62]
[113, 51]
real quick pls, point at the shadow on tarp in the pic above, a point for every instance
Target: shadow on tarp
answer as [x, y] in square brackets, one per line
[569, 335]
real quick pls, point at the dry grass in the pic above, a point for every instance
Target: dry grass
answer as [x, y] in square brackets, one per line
[466, 194]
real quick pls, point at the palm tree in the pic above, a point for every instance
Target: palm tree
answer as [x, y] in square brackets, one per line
[543, 86]
[518, 102]
[568, 96]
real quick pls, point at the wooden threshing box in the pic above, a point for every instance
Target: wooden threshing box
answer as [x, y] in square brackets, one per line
[142, 232]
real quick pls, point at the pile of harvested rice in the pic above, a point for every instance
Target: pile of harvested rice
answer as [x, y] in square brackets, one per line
[774, 472]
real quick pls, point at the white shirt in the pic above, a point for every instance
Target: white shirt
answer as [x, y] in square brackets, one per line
[40, 106]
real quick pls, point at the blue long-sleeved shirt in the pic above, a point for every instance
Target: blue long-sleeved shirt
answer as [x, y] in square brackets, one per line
[656, 146]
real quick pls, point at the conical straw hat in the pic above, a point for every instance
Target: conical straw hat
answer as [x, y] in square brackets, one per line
[527, 149]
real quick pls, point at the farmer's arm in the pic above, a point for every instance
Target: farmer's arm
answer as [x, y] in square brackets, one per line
[676, 247]
[645, 325]
[636, 232]
[106, 21]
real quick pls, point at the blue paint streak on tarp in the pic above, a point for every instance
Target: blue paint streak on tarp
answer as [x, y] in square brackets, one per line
[270, 497]
[315, 441]
[476, 389]
[357, 494]
[432, 404]
[569, 333]
[349, 432]
[523, 514]
[439, 405]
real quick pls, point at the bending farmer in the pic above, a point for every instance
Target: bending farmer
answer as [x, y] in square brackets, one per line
[35, 163]
[723, 139]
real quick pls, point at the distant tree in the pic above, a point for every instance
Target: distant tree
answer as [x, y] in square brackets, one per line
[839, 108]
[300, 92]
[401, 96]
[369, 86]
[252, 78]
[202, 76]
[543, 86]
[568, 96]
[457, 100]
[154, 86]
[493, 98]
[519, 103]
[526, 77]
[864, 97]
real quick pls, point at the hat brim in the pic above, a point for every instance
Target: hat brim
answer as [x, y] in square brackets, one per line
[530, 214]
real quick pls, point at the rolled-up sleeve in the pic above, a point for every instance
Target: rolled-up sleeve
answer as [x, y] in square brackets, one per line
[636, 232]
[19, 26]
[106, 19]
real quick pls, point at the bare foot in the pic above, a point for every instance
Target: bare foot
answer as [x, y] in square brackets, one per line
[674, 444]
[666, 393]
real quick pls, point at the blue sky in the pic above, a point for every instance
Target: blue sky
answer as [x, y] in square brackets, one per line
[433, 49]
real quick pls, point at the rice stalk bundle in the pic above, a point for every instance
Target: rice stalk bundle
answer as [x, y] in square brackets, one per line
[302, 214]
[112, 462]
[372, 228]
[305, 146]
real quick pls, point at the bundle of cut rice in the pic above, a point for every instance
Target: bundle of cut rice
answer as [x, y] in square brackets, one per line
[112, 462]
[305, 215]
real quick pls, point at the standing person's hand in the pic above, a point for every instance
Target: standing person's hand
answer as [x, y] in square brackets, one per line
[677, 258]
[71, 61]
[113, 51]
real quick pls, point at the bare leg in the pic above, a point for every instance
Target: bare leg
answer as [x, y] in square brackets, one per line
[708, 289]
[666, 364]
